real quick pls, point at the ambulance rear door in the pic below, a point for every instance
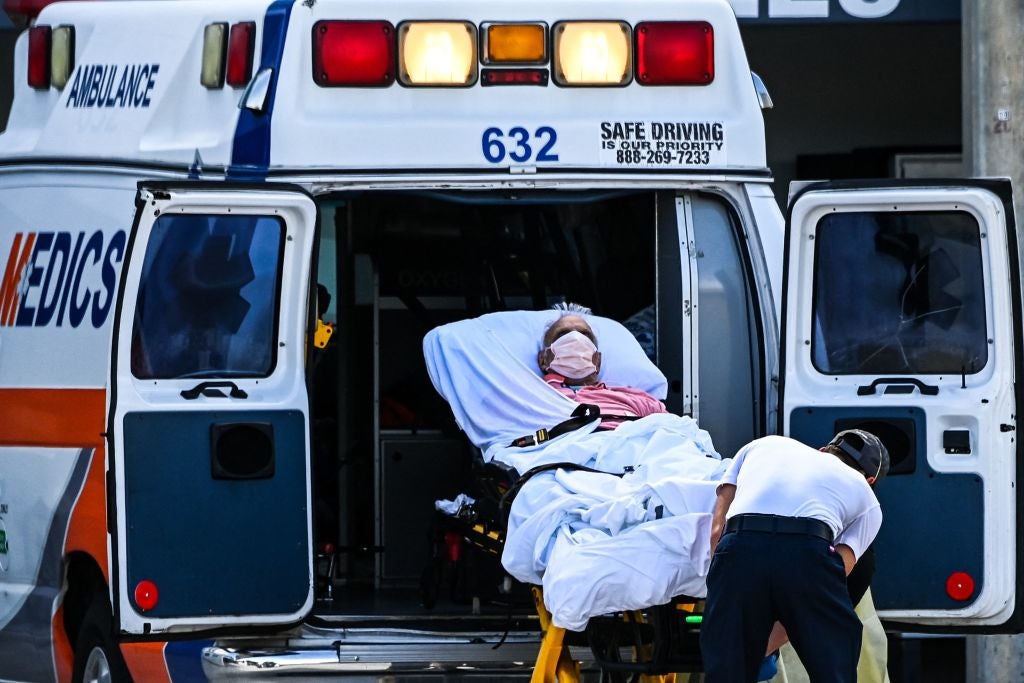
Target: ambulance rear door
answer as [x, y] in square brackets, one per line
[209, 410]
[901, 316]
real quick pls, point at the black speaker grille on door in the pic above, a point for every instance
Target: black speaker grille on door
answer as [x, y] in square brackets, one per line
[243, 450]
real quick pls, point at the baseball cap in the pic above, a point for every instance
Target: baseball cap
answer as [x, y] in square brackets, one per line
[866, 449]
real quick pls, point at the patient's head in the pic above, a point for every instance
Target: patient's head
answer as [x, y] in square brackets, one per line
[569, 348]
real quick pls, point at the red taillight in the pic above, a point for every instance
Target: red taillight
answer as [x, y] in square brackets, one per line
[146, 595]
[960, 586]
[675, 53]
[355, 53]
[514, 77]
[241, 45]
[24, 10]
[453, 546]
[39, 57]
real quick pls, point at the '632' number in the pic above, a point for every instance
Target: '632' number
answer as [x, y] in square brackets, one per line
[518, 145]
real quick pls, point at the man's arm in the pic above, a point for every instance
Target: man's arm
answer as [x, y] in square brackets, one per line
[858, 535]
[849, 559]
[726, 494]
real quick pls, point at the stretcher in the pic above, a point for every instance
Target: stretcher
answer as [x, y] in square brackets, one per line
[659, 642]
[486, 369]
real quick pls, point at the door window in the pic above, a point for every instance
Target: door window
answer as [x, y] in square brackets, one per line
[899, 293]
[207, 304]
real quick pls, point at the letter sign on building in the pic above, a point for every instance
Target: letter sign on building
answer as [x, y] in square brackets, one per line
[845, 11]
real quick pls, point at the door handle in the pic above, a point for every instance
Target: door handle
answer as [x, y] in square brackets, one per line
[212, 390]
[926, 389]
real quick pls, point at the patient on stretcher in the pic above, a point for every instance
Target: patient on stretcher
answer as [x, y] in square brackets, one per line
[570, 360]
[634, 534]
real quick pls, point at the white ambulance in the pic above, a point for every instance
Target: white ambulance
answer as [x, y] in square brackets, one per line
[191, 486]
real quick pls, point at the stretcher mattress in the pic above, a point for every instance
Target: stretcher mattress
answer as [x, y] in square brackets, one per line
[596, 543]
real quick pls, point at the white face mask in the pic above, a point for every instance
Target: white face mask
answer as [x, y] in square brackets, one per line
[573, 355]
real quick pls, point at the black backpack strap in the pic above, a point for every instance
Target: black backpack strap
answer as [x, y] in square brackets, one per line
[584, 414]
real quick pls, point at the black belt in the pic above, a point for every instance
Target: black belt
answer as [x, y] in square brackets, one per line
[776, 524]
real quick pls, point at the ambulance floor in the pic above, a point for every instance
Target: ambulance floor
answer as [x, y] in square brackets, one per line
[365, 603]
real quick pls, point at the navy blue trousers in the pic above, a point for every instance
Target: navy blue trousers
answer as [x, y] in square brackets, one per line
[759, 578]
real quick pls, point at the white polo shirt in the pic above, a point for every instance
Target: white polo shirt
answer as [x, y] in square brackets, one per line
[780, 476]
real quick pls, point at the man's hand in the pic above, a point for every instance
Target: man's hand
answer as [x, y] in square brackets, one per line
[726, 493]
[777, 638]
[716, 535]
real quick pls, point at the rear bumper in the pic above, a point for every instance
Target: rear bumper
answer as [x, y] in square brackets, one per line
[316, 653]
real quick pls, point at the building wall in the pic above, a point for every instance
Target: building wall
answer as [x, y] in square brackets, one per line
[849, 96]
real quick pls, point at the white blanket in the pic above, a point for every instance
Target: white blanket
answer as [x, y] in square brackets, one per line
[596, 543]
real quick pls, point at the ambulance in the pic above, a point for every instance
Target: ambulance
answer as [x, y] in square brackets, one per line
[226, 226]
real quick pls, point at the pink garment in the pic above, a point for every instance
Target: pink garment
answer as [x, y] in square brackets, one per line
[611, 400]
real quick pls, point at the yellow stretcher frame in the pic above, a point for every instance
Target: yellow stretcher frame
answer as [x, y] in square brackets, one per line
[554, 660]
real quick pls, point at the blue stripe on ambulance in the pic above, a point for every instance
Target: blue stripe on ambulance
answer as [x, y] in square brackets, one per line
[250, 152]
[184, 660]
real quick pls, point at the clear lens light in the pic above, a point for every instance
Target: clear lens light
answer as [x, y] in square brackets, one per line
[62, 55]
[215, 44]
[435, 53]
[592, 53]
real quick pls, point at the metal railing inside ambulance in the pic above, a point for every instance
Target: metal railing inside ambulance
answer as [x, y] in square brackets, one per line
[444, 53]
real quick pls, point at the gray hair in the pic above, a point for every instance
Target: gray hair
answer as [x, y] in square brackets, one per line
[570, 308]
[566, 308]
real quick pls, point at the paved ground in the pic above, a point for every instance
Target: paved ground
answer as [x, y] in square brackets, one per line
[927, 660]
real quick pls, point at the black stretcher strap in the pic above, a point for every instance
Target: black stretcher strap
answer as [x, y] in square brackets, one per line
[505, 504]
[584, 414]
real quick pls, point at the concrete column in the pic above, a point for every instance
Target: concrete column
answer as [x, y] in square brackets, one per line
[993, 90]
[993, 129]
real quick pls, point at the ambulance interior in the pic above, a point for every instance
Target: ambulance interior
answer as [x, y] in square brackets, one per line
[385, 444]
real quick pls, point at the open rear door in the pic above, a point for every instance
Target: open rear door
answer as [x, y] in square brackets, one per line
[209, 415]
[902, 316]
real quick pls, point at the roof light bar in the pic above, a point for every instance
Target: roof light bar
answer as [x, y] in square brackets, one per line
[437, 53]
[215, 45]
[353, 53]
[241, 45]
[62, 55]
[519, 44]
[675, 53]
[39, 57]
[592, 53]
